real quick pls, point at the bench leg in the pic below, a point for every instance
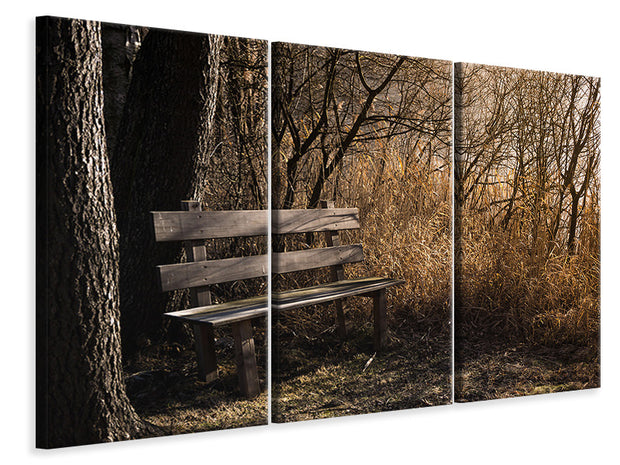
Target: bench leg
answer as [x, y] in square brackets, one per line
[246, 359]
[205, 350]
[341, 328]
[380, 320]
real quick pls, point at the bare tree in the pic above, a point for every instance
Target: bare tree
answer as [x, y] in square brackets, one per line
[237, 173]
[527, 142]
[328, 103]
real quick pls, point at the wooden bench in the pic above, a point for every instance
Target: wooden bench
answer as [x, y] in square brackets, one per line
[328, 221]
[193, 226]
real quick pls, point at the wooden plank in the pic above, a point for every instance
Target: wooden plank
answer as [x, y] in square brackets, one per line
[221, 314]
[246, 359]
[204, 339]
[327, 292]
[224, 318]
[332, 238]
[314, 220]
[287, 262]
[192, 225]
[196, 313]
[188, 275]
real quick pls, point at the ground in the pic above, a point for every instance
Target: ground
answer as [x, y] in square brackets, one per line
[319, 376]
[494, 369]
[163, 387]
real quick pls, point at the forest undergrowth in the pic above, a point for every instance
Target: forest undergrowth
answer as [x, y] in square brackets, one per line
[507, 288]
[527, 320]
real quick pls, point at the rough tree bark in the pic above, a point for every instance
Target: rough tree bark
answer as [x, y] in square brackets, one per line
[80, 391]
[163, 146]
[120, 44]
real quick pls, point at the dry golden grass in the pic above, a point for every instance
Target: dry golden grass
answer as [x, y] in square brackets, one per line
[405, 217]
[504, 288]
[526, 310]
[406, 234]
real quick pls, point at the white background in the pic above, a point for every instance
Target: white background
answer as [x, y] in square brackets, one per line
[572, 37]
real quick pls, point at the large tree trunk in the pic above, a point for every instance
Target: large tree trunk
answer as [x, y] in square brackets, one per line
[120, 44]
[80, 391]
[162, 150]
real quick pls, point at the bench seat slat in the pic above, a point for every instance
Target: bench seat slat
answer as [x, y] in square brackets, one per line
[254, 307]
[229, 312]
[327, 292]
[315, 220]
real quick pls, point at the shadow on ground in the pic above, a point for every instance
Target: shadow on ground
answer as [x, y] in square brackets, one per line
[319, 376]
[487, 369]
[163, 386]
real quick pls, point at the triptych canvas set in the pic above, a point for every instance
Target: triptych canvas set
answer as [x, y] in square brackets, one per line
[232, 232]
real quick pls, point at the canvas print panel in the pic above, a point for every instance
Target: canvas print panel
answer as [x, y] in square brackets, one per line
[527, 240]
[131, 121]
[361, 232]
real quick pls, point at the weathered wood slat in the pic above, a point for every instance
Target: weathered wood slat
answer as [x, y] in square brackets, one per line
[196, 313]
[326, 292]
[220, 314]
[191, 225]
[187, 275]
[224, 318]
[315, 220]
[188, 225]
[194, 274]
[308, 259]
[254, 307]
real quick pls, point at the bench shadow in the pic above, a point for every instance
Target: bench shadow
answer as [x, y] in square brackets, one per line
[319, 376]
[164, 389]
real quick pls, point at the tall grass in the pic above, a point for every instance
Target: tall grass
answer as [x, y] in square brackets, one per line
[527, 262]
[405, 215]
[506, 288]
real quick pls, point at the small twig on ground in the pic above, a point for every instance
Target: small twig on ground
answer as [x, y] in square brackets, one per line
[369, 362]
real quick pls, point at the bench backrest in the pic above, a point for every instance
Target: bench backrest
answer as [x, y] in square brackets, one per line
[193, 226]
[329, 221]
